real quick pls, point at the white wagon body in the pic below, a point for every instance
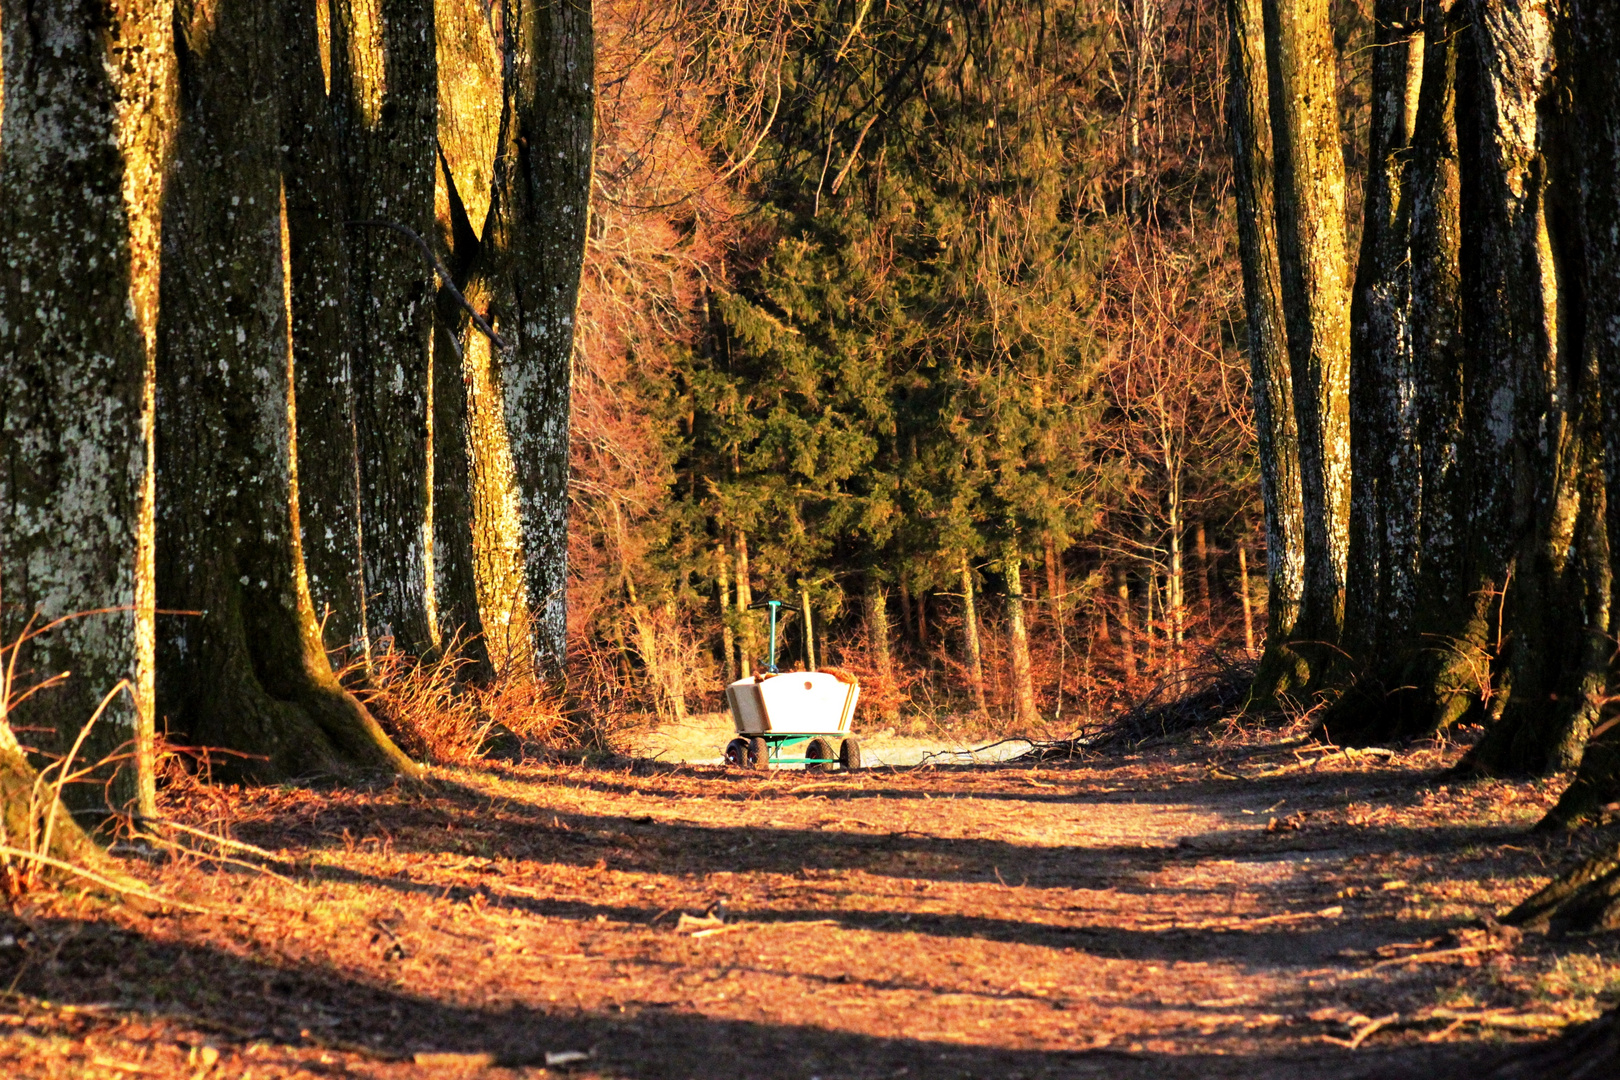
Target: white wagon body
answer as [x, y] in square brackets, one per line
[793, 703]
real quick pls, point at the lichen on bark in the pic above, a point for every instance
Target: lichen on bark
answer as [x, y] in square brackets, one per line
[83, 152]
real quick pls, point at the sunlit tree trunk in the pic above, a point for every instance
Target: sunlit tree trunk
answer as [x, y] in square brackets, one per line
[728, 642]
[542, 181]
[1023, 679]
[1127, 637]
[1243, 595]
[88, 121]
[1315, 289]
[808, 616]
[248, 671]
[970, 637]
[478, 589]
[1276, 432]
[745, 599]
[384, 95]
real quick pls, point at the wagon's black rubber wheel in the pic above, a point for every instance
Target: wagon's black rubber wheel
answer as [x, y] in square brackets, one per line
[819, 748]
[849, 755]
[759, 754]
[737, 753]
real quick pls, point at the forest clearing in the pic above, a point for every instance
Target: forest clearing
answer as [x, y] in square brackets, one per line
[1259, 908]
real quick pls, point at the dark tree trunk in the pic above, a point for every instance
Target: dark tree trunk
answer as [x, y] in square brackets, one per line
[89, 114]
[1249, 131]
[1423, 679]
[323, 337]
[1537, 431]
[247, 672]
[384, 95]
[1386, 496]
[1315, 288]
[1594, 171]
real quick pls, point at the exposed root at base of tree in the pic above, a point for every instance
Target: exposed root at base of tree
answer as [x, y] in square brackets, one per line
[1587, 1052]
[1583, 898]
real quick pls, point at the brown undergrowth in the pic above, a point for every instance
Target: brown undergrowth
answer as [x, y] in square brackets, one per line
[1259, 910]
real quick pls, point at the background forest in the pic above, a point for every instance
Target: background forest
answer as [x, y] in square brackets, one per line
[925, 318]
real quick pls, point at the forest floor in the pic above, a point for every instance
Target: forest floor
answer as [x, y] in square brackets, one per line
[1260, 910]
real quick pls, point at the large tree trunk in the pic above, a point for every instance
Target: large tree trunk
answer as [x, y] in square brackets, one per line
[539, 218]
[1424, 679]
[88, 120]
[477, 583]
[1276, 433]
[247, 672]
[1315, 287]
[1540, 426]
[384, 95]
[323, 335]
[1593, 278]
[1386, 496]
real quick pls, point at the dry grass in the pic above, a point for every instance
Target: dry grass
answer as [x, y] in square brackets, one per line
[436, 714]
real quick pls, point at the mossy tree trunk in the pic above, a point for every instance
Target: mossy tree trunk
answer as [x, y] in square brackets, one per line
[1248, 121]
[248, 671]
[1593, 142]
[1540, 426]
[1313, 274]
[88, 116]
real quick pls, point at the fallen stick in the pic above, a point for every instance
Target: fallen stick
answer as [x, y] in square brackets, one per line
[1235, 922]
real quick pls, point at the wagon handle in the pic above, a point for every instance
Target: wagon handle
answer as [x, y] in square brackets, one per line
[776, 607]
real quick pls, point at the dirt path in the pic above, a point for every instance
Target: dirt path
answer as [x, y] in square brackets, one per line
[1184, 914]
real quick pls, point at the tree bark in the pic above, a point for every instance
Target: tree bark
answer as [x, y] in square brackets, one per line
[1430, 675]
[1127, 637]
[877, 632]
[89, 116]
[970, 637]
[248, 672]
[1593, 279]
[1386, 496]
[728, 642]
[539, 217]
[1276, 431]
[1315, 289]
[323, 336]
[384, 95]
[1542, 424]
[1023, 681]
[478, 587]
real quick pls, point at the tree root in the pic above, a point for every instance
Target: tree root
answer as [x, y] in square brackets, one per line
[1583, 898]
